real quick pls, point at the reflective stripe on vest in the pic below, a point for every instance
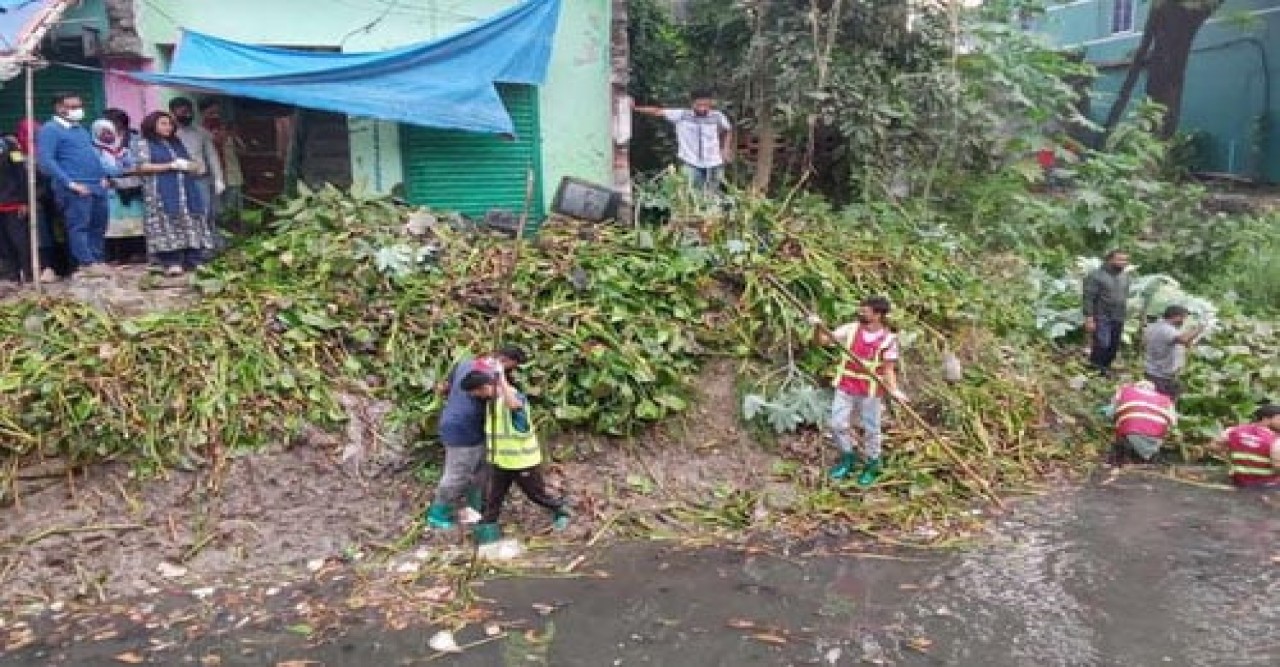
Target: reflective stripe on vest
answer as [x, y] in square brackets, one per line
[1250, 446]
[1142, 412]
[510, 449]
[869, 370]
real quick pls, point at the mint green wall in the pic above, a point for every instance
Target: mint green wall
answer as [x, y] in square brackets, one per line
[575, 103]
[1232, 94]
[1073, 21]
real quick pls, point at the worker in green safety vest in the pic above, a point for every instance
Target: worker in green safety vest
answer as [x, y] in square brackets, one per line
[513, 452]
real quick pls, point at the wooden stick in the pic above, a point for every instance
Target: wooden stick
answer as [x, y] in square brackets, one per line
[499, 321]
[928, 428]
[33, 201]
[499, 326]
[67, 530]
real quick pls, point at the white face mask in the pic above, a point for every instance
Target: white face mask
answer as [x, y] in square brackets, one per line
[75, 115]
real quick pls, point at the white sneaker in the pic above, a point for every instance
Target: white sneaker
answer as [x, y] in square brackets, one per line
[507, 549]
[468, 516]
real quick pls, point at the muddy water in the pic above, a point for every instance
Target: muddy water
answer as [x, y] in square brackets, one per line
[1140, 571]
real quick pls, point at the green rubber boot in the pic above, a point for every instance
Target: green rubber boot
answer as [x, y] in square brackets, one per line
[848, 461]
[439, 517]
[475, 500]
[870, 474]
[486, 533]
[560, 520]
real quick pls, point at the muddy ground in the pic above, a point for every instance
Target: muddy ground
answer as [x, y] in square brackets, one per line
[128, 289]
[274, 517]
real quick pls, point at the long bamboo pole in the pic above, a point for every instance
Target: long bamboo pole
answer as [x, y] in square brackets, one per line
[928, 428]
[33, 203]
[27, 47]
[499, 323]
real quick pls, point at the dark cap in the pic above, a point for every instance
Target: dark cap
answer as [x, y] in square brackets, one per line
[1266, 412]
[513, 353]
[475, 380]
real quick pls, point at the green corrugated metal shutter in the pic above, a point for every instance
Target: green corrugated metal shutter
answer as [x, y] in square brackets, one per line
[49, 82]
[475, 173]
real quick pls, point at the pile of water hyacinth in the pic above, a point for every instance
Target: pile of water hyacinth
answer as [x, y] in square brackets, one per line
[341, 295]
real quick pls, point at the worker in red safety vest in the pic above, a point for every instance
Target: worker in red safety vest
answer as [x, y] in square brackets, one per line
[861, 385]
[1254, 449]
[1143, 419]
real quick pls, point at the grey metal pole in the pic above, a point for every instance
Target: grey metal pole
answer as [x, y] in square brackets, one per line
[33, 204]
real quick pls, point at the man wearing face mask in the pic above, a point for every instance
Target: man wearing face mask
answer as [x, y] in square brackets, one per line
[200, 146]
[66, 154]
[867, 374]
[1106, 307]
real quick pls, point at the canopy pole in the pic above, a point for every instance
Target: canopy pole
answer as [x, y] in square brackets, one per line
[33, 203]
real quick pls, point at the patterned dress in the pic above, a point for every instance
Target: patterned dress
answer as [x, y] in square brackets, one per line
[189, 228]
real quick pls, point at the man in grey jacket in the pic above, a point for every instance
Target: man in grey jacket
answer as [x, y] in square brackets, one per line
[199, 144]
[1106, 304]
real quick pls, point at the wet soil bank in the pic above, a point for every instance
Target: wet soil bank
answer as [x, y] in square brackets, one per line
[1131, 570]
[102, 534]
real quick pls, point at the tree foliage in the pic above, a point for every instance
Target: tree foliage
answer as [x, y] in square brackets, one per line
[861, 97]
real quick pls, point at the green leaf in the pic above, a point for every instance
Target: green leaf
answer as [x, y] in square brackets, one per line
[640, 484]
[672, 402]
[648, 410]
[753, 405]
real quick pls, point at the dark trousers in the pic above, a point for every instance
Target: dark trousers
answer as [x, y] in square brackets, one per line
[187, 259]
[530, 482]
[1168, 386]
[86, 217]
[15, 247]
[1105, 343]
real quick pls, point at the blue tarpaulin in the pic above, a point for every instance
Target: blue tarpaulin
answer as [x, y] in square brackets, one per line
[23, 23]
[447, 82]
[16, 17]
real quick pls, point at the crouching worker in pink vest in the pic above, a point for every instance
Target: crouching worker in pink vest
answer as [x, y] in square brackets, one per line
[1143, 417]
[1254, 449]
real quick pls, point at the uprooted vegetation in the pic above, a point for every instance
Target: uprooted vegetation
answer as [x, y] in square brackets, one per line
[340, 311]
[341, 300]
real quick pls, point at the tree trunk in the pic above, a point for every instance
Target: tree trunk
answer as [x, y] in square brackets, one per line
[1131, 77]
[766, 134]
[766, 147]
[1163, 52]
[822, 48]
[1167, 66]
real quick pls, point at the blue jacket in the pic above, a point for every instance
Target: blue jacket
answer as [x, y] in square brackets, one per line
[67, 155]
[462, 421]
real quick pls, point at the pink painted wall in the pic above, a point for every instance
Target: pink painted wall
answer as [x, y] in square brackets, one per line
[135, 98]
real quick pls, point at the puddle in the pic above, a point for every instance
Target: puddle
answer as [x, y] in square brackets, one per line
[1142, 571]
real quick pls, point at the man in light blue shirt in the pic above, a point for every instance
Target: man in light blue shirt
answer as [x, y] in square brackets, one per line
[704, 137]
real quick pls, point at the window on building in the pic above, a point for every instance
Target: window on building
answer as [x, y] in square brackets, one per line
[1122, 15]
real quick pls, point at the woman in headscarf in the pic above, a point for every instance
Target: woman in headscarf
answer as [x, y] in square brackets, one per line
[111, 150]
[119, 161]
[177, 227]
